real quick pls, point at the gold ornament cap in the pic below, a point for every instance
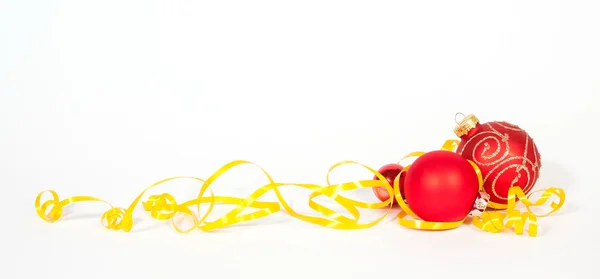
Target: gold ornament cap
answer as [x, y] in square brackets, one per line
[465, 124]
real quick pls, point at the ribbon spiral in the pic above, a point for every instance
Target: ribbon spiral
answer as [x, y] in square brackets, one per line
[165, 207]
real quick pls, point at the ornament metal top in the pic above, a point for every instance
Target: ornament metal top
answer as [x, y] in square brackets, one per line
[465, 125]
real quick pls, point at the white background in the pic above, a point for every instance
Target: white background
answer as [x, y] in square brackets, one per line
[106, 97]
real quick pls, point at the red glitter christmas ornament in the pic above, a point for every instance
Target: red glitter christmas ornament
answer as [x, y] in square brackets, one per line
[441, 186]
[506, 155]
[390, 172]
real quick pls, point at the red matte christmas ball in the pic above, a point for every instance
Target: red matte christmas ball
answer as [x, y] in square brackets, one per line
[506, 155]
[441, 186]
[390, 172]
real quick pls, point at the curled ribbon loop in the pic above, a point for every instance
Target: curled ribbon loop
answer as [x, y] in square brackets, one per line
[165, 207]
[494, 221]
[161, 207]
[115, 219]
[54, 204]
[351, 205]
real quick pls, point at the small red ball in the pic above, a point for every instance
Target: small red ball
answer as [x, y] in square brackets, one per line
[441, 186]
[390, 172]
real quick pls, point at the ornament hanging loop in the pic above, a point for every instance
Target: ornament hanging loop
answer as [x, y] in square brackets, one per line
[459, 114]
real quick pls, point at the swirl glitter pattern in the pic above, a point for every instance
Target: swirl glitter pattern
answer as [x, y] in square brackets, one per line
[506, 155]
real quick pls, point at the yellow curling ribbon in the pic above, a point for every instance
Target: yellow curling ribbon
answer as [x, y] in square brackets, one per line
[494, 221]
[165, 207]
